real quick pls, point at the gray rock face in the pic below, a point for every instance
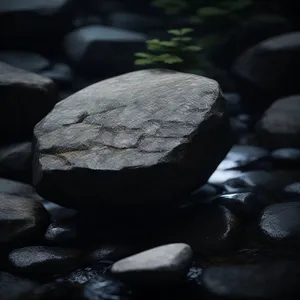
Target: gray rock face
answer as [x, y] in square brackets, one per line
[280, 125]
[157, 135]
[25, 99]
[163, 264]
[96, 48]
[21, 219]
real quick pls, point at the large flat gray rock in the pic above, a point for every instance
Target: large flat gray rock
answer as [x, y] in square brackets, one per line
[145, 137]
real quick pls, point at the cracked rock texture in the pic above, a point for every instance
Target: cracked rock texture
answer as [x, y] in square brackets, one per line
[156, 135]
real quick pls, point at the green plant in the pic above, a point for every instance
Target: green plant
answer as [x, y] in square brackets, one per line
[176, 50]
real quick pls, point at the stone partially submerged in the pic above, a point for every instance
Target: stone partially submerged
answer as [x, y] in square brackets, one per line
[145, 137]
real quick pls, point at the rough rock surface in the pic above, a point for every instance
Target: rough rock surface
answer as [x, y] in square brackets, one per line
[40, 260]
[155, 134]
[280, 125]
[25, 99]
[162, 264]
[21, 219]
[281, 223]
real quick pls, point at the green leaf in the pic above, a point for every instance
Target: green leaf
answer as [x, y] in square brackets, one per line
[192, 48]
[168, 43]
[154, 41]
[170, 59]
[186, 30]
[175, 31]
[182, 39]
[143, 55]
[211, 11]
[143, 62]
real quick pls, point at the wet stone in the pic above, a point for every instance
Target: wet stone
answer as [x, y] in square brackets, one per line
[206, 228]
[264, 181]
[17, 188]
[55, 291]
[109, 254]
[244, 157]
[82, 276]
[21, 219]
[105, 288]
[286, 158]
[16, 161]
[12, 287]
[161, 265]
[275, 280]
[293, 189]
[61, 232]
[42, 260]
[280, 223]
[244, 205]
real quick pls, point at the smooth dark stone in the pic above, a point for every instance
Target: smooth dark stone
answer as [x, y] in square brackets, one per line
[110, 254]
[132, 21]
[105, 288]
[58, 212]
[21, 219]
[41, 260]
[207, 228]
[144, 138]
[244, 205]
[31, 62]
[233, 103]
[16, 161]
[61, 232]
[238, 127]
[260, 80]
[25, 99]
[55, 291]
[60, 73]
[17, 188]
[13, 287]
[280, 125]
[244, 157]
[96, 49]
[280, 223]
[87, 20]
[278, 280]
[249, 32]
[286, 158]
[42, 19]
[293, 189]
[271, 182]
[206, 191]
